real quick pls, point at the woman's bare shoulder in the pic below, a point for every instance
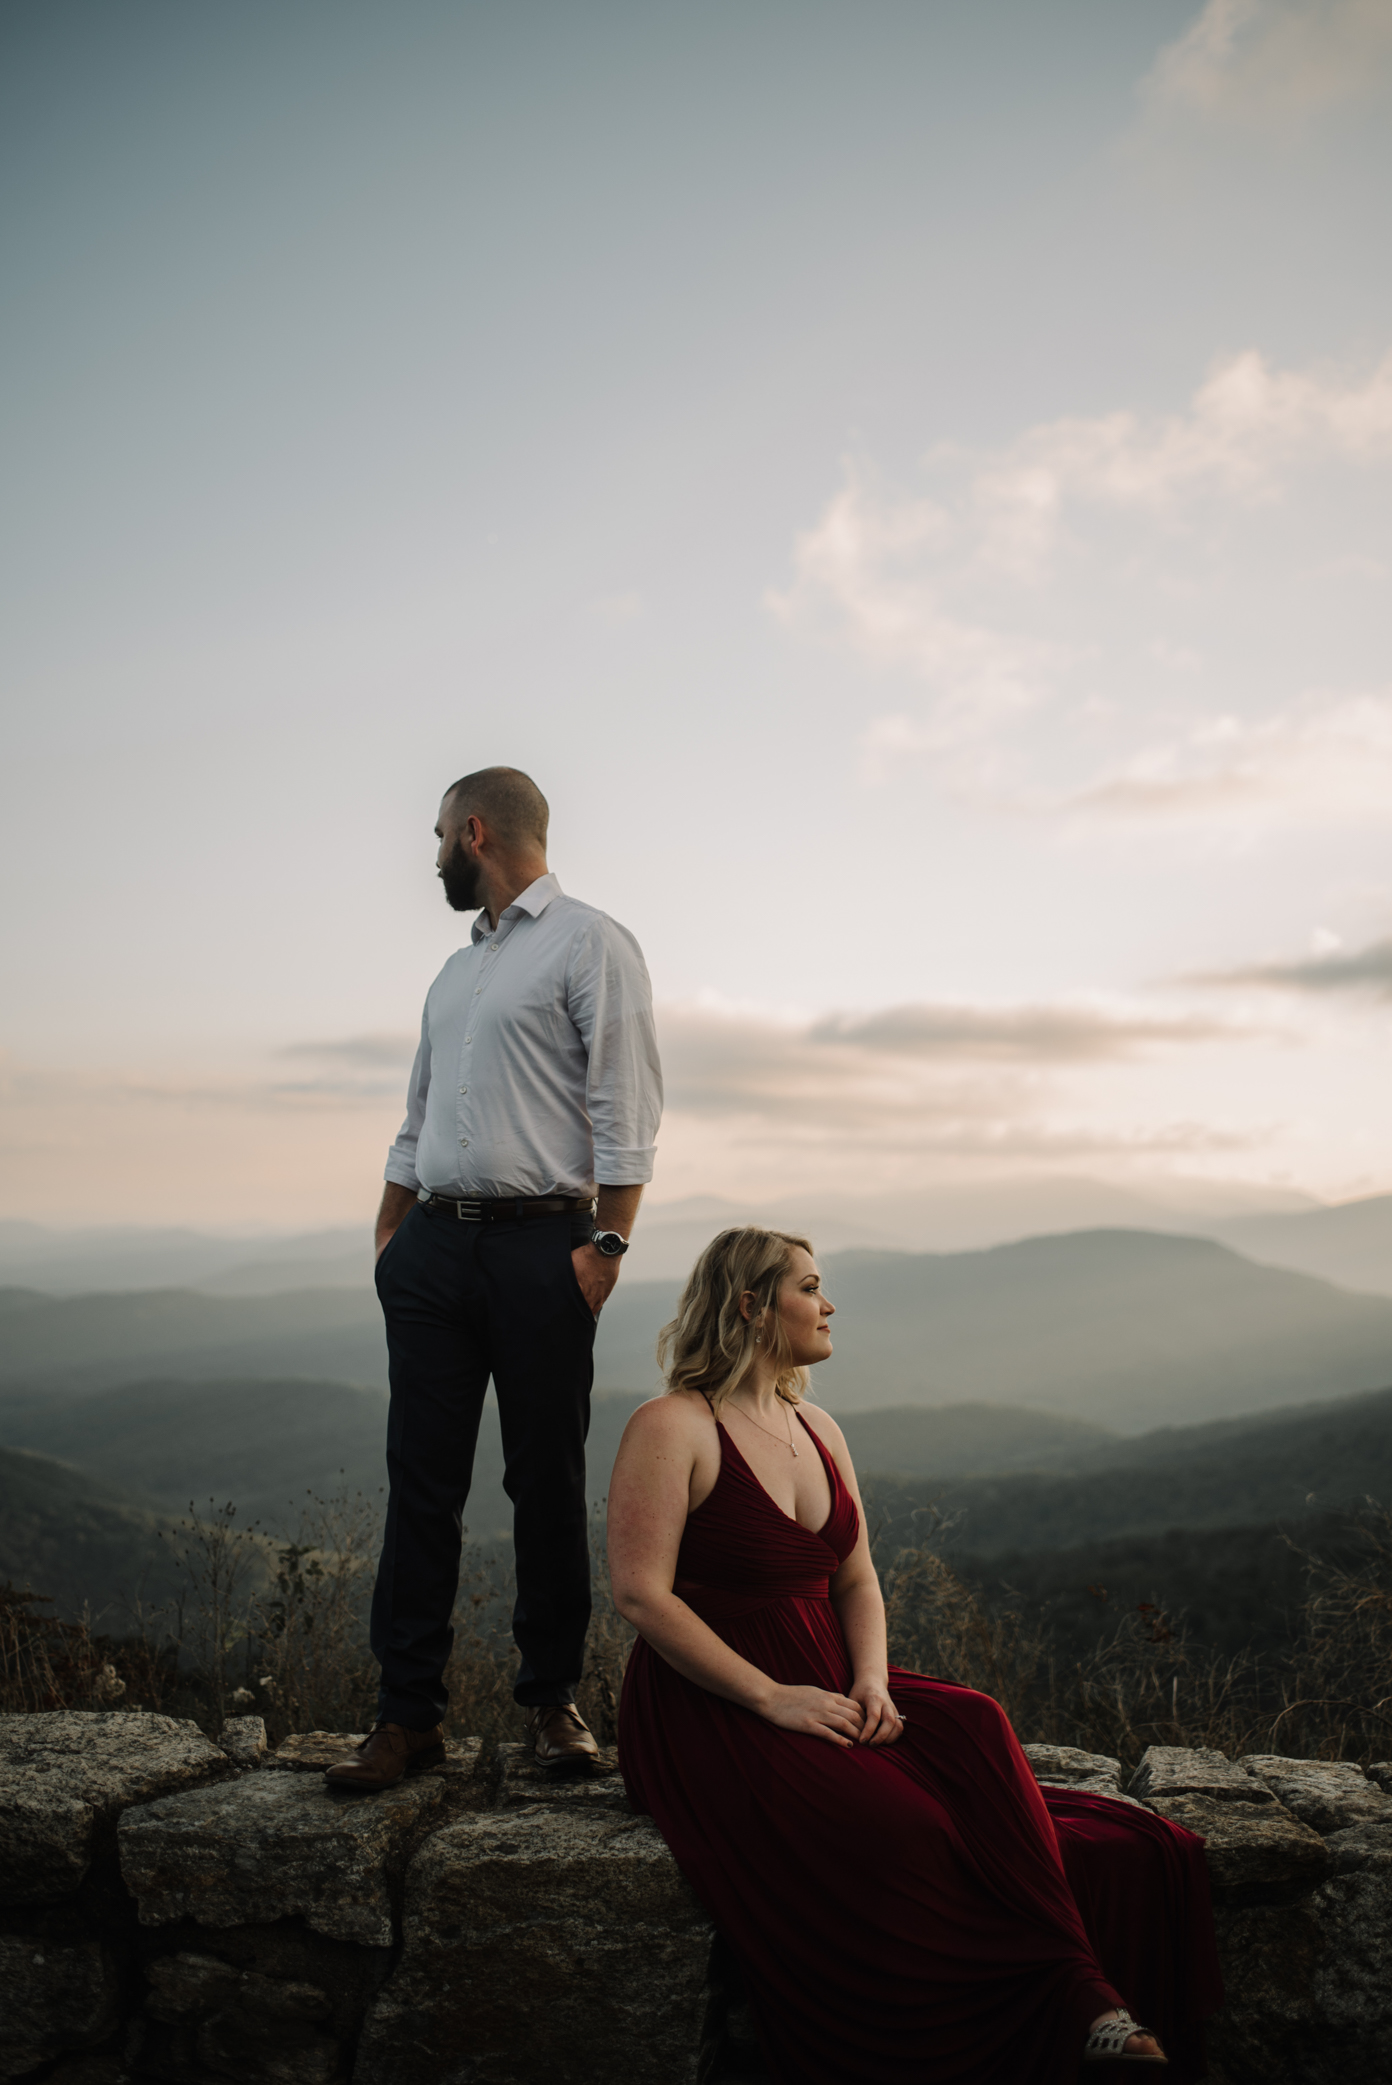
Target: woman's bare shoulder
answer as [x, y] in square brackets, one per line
[677, 1415]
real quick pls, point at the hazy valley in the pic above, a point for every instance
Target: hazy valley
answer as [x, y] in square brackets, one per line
[1128, 1410]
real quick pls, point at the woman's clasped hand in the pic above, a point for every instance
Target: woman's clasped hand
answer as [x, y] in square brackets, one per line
[842, 1719]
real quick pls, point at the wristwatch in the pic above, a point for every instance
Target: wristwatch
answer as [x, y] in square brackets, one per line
[611, 1243]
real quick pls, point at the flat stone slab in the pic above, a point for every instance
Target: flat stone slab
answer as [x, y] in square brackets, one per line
[54, 1999]
[1167, 1770]
[1063, 1765]
[570, 1918]
[464, 1780]
[1328, 1795]
[1249, 1846]
[516, 1778]
[310, 1751]
[269, 1846]
[65, 1778]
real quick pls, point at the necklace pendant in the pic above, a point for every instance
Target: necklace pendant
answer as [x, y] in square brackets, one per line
[794, 1451]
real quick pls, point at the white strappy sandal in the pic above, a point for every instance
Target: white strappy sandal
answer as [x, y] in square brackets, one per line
[1107, 2042]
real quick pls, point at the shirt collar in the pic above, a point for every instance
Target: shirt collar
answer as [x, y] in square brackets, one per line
[533, 900]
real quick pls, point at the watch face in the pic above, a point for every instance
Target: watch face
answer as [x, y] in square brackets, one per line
[610, 1243]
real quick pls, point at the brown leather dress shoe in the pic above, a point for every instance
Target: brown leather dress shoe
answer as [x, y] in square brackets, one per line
[387, 1752]
[560, 1736]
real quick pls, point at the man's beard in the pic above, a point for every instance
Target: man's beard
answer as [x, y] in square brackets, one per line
[461, 879]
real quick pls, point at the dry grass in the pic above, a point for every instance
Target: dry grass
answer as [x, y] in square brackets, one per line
[480, 1673]
[1148, 1683]
[48, 1664]
[309, 1666]
[282, 1628]
[1338, 1700]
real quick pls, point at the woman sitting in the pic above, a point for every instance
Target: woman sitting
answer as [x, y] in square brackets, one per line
[907, 1903]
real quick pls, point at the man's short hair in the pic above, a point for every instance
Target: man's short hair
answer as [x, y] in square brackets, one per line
[507, 799]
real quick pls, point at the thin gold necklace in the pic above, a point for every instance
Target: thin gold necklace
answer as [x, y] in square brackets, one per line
[791, 1443]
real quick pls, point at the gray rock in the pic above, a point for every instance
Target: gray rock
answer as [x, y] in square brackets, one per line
[274, 1846]
[1309, 1998]
[243, 1739]
[207, 2019]
[1060, 1765]
[560, 1941]
[1249, 1846]
[1086, 1773]
[518, 1779]
[1326, 1794]
[1380, 1774]
[1361, 1846]
[1167, 1770]
[56, 1999]
[65, 1777]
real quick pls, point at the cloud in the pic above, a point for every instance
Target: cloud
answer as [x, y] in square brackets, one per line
[1322, 761]
[884, 568]
[1022, 1035]
[932, 1078]
[1272, 62]
[1355, 970]
[875, 569]
[1245, 428]
[1069, 589]
[367, 1052]
[352, 1074]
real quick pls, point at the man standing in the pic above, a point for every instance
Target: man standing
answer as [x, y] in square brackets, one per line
[537, 1077]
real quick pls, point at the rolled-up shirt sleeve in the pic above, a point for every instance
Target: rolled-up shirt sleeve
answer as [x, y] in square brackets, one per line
[401, 1159]
[609, 998]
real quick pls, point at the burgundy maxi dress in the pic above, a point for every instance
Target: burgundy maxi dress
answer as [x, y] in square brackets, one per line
[914, 1913]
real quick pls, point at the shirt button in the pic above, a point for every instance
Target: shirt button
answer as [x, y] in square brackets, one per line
[468, 1038]
[463, 1089]
[463, 1140]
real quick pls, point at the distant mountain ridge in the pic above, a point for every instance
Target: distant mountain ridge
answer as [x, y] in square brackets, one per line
[1127, 1329]
[954, 1217]
[80, 1541]
[1350, 1243]
[1123, 1329]
[1140, 1515]
[1276, 1467]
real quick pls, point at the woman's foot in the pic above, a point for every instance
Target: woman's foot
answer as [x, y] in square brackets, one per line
[1140, 2046]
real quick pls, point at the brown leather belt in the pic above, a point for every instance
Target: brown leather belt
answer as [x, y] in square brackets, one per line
[507, 1208]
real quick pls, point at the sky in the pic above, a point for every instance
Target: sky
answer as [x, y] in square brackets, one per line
[910, 481]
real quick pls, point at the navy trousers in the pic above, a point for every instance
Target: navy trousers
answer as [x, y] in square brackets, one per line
[464, 1301]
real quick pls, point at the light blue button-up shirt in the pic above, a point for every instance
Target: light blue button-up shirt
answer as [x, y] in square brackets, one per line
[537, 1071]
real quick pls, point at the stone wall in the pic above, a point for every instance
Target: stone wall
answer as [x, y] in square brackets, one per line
[181, 1911]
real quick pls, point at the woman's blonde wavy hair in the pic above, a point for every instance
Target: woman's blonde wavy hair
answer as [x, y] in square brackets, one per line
[709, 1346]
